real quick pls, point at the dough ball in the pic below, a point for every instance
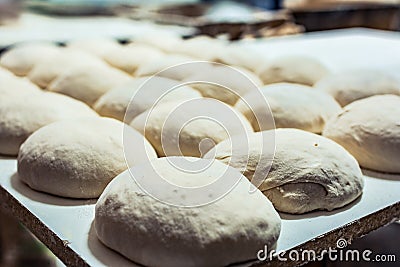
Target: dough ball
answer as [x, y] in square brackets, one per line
[49, 68]
[115, 102]
[236, 55]
[179, 72]
[370, 130]
[292, 106]
[308, 172]
[21, 115]
[190, 128]
[224, 83]
[165, 41]
[22, 58]
[97, 47]
[14, 86]
[129, 57]
[229, 230]
[350, 86]
[88, 84]
[77, 158]
[292, 69]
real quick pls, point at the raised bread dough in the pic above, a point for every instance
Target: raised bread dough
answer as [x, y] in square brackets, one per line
[229, 230]
[292, 69]
[158, 66]
[235, 55]
[88, 84]
[22, 58]
[21, 115]
[129, 57]
[115, 102]
[77, 158]
[224, 83]
[308, 172]
[292, 106]
[15, 86]
[370, 130]
[96, 46]
[49, 68]
[176, 129]
[349, 86]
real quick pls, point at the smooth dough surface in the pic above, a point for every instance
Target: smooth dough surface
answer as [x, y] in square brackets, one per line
[96, 46]
[141, 94]
[181, 129]
[292, 69]
[22, 58]
[16, 86]
[349, 86]
[224, 83]
[370, 130]
[49, 68]
[292, 106]
[21, 115]
[230, 230]
[77, 158]
[88, 84]
[308, 172]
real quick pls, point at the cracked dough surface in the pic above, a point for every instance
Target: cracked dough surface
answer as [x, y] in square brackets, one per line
[77, 158]
[370, 130]
[230, 230]
[309, 172]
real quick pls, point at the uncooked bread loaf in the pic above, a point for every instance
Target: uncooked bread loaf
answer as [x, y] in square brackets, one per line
[370, 130]
[224, 83]
[306, 171]
[88, 84]
[191, 128]
[158, 66]
[292, 106]
[96, 46]
[49, 68]
[20, 116]
[349, 86]
[141, 94]
[78, 158]
[22, 58]
[229, 230]
[292, 69]
[129, 57]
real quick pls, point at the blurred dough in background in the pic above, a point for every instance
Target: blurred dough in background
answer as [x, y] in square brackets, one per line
[352, 85]
[292, 69]
[370, 130]
[292, 106]
[131, 56]
[20, 116]
[97, 47]
[88, 83]
[224, 83]
[139, 95]
[20, 59]
[49, 68]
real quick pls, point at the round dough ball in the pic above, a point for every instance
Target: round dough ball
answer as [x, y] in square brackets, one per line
[14, 86]
[165, 41]
[308, 172]
[129, 57]
[115, 102]
[49, 68]
[350, 86]
[77, 158]
[158, 66]
[292, 106]
[370, 130]
[20, 116]
[236, 55]
[88, 84]
[190, 128]
[292, 69]
[22, 58]
[229, 230]
[97, 47]
[233, 83]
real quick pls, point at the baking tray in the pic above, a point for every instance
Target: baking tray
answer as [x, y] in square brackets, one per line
[65, 225]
